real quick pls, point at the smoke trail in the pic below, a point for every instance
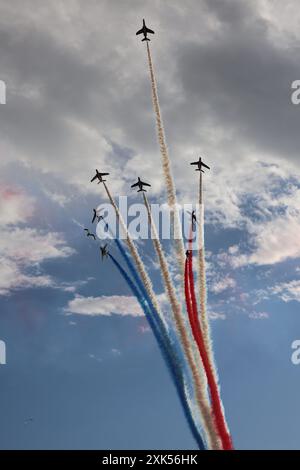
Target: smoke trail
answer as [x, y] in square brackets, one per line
[171, 191]
[193, 323]
[167, 352]
[200, 388]
[139, 263]
[169, 337]
[156, 318]
[202, 276]
[204, 320]
[196, 329]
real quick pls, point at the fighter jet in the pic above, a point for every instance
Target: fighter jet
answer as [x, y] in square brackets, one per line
[104, 251]
[194, 218]
[140, 185]
[99, 176]
[200, 164]
[89, 234]
[96, 216]
[145, 31]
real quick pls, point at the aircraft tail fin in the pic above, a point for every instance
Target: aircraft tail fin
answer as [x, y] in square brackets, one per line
[142, 190]
[145, 39]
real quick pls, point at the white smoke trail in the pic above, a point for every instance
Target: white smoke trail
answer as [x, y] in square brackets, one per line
[171, 191]
[202, 281]
[202, 274]
[200, 385]
[204, 320]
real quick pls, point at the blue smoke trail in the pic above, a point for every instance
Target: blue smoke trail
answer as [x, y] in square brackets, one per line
[163, 342]
[136, 277]
[140, 284]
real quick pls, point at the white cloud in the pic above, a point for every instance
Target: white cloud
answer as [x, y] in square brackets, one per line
[259, 315]
[15, 206]
[22, 249]
[12, 277]
[58, 198]
[216, 316]
[277, 240]
[144, 329]
[115, 352]
[30, 246]
[232, 250]
[74, 98]
[104, 305]
[222, 285]
[288, 291]
[91, 96]
[273, 233]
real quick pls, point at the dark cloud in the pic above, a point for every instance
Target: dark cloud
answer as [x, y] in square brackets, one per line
[80, 71]
[241, 81]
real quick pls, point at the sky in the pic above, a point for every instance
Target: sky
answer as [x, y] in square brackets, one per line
[81, 359]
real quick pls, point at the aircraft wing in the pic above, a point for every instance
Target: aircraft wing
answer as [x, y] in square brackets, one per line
[104, 174]
[139, 31]
[145, 184]
[149, 30]
[134, 185]
[203, 164]
[194, 163]
[93, 179]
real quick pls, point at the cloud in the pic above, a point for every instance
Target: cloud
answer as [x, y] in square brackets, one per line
[144, 329]
[246, 76]
[277, 241]
[224, 87]
[287, 291]
[30, 246]
[104, 305]
[95, 358]
[22, 250]
[60, 199]
[274, 231]
[259, 315]
[15, 205]
[216, 316]
[115, 352]
[222, 285]
[13, 277]
[220, 86]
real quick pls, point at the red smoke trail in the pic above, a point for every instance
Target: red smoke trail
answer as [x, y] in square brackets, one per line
[191, 304]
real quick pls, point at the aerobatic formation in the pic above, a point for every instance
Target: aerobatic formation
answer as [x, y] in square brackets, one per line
[185, 339]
